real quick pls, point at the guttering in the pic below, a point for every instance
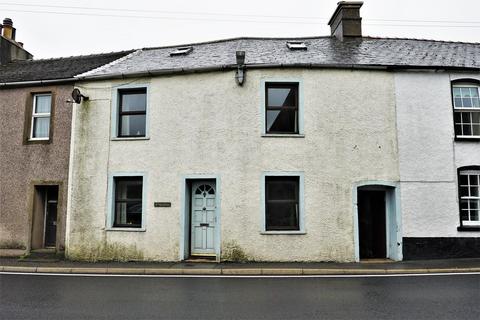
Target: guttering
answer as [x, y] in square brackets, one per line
[230, 67]
[36, 82]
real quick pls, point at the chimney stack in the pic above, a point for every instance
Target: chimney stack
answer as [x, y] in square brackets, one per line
[10, 49]
[346, 21]
[8, 29]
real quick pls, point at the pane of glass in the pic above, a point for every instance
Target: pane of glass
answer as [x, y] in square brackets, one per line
[282, 188]
[474, 92]
[133, 125]
[278, 97]
[467, 130]
[458, 130]
[475, 117]
[466, 92]
[128, 188]
[457, 93]
[476, 130]
[467, 102]
[466, 117]
[134, 101]
[463, 179]
[281, 216]
[474, 215]
[463, 191]
[457, 117]
[457, 102]
[474, 192]
[282, 121]
[473, 180]
[464, 204]
[474, 204]
[41, 127]
[129, 213]
[476, 102]
[43, 104]
[464, 215]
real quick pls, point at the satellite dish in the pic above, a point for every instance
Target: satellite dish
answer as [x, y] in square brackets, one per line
[77, 96]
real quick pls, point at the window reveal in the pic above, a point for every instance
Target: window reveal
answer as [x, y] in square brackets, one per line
[128, 202]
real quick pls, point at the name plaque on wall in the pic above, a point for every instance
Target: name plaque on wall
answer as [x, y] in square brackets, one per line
[162, 204]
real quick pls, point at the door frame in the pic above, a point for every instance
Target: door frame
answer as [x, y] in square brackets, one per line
[185, 213]
[393, 219]
[60, 214]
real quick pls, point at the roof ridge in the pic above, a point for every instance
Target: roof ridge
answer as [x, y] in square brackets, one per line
[79, 56]
[416, 39]
[234, 39]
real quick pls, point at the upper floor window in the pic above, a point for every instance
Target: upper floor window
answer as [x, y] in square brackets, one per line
[132, 113]
[469, 196]
[281, 108]
[466, 105]
[41, 114]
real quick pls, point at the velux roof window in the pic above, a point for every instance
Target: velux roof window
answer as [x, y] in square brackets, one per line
[296, 45]
[181, 51]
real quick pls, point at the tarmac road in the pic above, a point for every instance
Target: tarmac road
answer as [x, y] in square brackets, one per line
[103, 297]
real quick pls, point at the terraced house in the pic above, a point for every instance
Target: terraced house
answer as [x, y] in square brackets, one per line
[35, 122]
[334, 148]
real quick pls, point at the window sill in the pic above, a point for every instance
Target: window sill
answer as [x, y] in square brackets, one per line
[127, 229]
[128, 139]
[468, 228]
[280, 135]
[467, 138]
[283, 232]
[38, 141]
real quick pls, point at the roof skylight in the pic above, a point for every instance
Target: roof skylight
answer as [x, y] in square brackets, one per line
[181, 51]
[296, 45]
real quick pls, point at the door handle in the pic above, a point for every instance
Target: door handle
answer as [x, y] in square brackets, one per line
[204, 224]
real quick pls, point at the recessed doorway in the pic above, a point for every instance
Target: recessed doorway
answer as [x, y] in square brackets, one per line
[44, 218]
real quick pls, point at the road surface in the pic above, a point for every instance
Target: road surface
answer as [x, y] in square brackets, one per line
[82, 297]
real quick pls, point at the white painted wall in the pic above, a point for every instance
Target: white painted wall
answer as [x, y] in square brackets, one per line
[428, 155]
[206, 124]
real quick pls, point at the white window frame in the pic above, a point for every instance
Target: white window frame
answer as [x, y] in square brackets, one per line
[111, 201]
[467, 172]
[40, 115]
[301, 203]
[115, 111]
[464, 109]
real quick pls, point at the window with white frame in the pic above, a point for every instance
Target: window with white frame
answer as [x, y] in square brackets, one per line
[128, 202]
[466, 106]
[41, 114]
[469, 194]
[282, 203]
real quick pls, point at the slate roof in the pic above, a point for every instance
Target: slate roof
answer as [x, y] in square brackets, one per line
[57, 68]
[366, 52]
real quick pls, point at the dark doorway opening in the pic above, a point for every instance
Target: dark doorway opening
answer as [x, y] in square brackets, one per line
[44, 223]
[372, 224]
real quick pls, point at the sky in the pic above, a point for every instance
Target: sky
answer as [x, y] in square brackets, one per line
[57, 28]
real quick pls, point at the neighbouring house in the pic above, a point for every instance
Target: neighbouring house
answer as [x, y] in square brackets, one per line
[335, 148]
[35, 122]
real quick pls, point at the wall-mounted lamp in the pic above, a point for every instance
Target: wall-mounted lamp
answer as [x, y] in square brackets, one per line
[240, 73]
[77, 96]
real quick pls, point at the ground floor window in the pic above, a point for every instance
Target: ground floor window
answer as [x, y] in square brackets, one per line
[128, 205]
[469, 195]
[282, 207]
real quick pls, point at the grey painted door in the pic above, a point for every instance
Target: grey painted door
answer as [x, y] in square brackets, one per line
[203, 219]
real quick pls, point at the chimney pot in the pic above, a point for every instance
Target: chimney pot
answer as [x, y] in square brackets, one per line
[8, 29]
[346, 21]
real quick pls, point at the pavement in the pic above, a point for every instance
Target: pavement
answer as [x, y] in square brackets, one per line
[250, 268]
[427, 296]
